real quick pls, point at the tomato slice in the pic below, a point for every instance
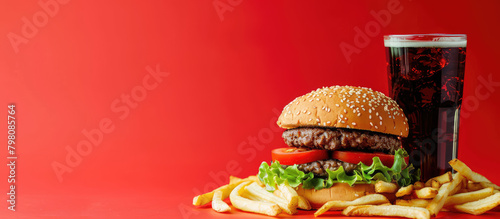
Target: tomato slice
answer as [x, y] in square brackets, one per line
[291, 156]
[355, 157]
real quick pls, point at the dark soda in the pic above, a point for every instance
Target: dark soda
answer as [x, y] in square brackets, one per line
[427, 82]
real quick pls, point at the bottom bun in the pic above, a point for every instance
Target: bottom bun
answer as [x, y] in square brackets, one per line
[339, 192]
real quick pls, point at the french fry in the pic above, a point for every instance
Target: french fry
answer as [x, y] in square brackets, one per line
[404, 191]
[463, 169]
[413, 202]
[435, 184]
[442, 179]
[426, 192]
[460, 185]
[489, 184]
[387, 210]
[253, 178]
[462, 198]
[245, 204]
[480, 206]
[428, 183]
[234, 179]
[474, 186]
[206, 198]
[278, 193]
[437, 203]
[256, 190]
[385, 187]
[218, 204]
[289, 194]
[254, 197]
[304, 203]
[373, 199]
[418, 185]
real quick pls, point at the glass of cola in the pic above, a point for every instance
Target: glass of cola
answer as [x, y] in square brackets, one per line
[426, 78]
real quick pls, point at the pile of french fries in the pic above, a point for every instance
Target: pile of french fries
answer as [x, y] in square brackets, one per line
[250, 195]
[465, 191]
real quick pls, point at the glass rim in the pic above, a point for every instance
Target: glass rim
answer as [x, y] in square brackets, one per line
[426, 37]
[425, 40]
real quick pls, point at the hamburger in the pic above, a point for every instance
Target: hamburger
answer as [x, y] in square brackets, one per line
[341, 139]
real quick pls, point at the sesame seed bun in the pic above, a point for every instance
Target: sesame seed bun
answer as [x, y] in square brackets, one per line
[345, 107]
[338, 192]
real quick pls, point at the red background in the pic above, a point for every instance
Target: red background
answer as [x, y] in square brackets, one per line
[227, 75]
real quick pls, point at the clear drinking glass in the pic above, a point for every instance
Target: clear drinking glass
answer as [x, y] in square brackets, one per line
[426, 78]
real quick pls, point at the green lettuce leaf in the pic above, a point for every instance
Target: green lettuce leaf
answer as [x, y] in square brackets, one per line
[400, 173]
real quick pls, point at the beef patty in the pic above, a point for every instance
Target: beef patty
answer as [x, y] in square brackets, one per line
[319, 167]
[341, 139]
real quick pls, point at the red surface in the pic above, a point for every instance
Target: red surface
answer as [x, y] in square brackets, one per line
[215, 113]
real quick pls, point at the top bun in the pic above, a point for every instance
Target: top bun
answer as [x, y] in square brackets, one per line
[346, 107]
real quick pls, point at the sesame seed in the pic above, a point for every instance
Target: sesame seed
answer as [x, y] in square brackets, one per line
[317, 99]
[345, 111]
[376, 127]
[348, 126]
[341, 116]
[298, 112]
[353, 123]
[371, 123]
[328, 122]
[359, 114]
[369, 116]
[370, 110]
[376, 113]
[342, 121]
[380, 117]
[380, 122]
